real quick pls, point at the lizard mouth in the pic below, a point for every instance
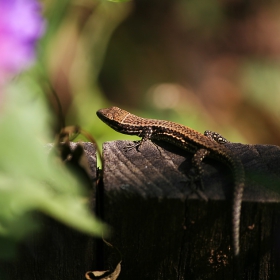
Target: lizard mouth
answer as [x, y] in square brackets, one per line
[105, 117]
[102, 114]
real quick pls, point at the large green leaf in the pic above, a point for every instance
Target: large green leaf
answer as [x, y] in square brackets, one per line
[31, 178]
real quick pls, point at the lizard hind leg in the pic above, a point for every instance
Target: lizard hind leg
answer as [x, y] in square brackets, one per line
[215, 137]
[196, 172]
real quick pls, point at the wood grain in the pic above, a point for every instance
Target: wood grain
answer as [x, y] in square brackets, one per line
[164, 230]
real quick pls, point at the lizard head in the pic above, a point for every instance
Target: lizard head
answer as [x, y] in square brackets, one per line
[114, 117]
[113, 114]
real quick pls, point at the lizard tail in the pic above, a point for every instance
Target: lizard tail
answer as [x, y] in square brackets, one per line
[237, 201]
[239, 176]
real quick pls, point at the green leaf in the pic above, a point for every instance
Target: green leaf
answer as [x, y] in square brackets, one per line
[31, 179]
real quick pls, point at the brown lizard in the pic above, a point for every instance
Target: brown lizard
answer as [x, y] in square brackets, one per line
[208, 145]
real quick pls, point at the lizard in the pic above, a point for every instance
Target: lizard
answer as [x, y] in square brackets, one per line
[200, 145]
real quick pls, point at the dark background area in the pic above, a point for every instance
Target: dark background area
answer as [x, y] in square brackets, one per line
[207, 64]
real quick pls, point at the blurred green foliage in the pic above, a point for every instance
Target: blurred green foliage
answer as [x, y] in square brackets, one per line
[178, 60]
[31, 178]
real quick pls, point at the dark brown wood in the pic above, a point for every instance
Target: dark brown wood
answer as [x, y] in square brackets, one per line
[164, 230]
[160, 226]
[56, 252]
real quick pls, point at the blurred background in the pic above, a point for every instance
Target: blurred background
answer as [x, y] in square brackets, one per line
[208, 64]
[205, 64]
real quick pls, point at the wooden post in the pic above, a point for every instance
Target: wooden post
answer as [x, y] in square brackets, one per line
[164, 230]
[161, 228]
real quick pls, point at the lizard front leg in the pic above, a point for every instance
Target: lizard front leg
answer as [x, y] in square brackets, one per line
[145, 134]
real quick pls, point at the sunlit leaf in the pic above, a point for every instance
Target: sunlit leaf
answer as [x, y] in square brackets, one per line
[30, 177]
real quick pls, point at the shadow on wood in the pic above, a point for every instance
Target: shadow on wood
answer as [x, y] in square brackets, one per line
[56, 252]
[162, 228]
[165, 231]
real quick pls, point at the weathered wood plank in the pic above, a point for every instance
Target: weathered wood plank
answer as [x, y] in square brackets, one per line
[163, 229]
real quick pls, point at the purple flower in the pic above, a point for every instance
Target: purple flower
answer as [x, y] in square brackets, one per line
[21, 25]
